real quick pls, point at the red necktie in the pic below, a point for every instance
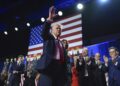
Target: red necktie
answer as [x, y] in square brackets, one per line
[61, 50]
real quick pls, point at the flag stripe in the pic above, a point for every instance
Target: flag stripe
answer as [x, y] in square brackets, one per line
[70, 28]
[69, 19]
[37, 45]
[73, 37]
[75, 44]
[35, 52]
[69, 16]
[75, 40]
[71, 31]
[71, 34]
[72, 24]
[37, 48]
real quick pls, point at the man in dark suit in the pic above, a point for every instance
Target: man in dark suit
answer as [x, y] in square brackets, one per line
[85, 69]
[113, 67]
[52, 63]
[99, 71]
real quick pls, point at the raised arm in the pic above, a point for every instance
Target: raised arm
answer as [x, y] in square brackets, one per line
[47, 25]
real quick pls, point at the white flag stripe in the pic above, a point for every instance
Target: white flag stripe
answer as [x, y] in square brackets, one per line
[35, 52]
[71, 31]
[69, 19]
[75, 44]
[73, 37]
[72, 24]
[37, 45]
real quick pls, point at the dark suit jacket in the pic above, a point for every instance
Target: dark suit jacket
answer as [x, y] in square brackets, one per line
[81, 68]
[99, 73]
[81, 72]
[49, 49]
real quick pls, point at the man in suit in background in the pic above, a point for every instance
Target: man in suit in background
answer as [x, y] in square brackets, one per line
[85, 69]
[51, 66]
[113, 67]
[99, 71]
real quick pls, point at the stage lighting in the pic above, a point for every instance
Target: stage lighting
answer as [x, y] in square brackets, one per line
[5, 32]
[60, 13]
[16, 29]
[43, 19]
[103, 1]
[80, 6]
[28, 24]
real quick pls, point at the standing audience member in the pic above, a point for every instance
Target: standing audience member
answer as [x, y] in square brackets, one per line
[99, 71]
[75, 81]
[113, 67]
[85, 69]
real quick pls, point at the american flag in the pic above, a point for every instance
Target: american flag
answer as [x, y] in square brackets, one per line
[71, 31]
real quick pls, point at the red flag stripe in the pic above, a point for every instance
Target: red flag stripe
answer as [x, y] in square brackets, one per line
[72, 21]
[70, 28]
[71, 34]
[38, 48]
[66, 17]
[75, 40]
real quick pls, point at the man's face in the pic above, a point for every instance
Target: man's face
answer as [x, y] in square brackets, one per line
[85, 52]
[97, 56]
[7, 60]
[113, 53]
[11, 60]
[14, 59]
[19, 59]
[56, 30]
[65, 44]
[22, 58]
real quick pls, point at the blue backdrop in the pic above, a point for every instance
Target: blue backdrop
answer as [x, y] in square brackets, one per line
[102, 48]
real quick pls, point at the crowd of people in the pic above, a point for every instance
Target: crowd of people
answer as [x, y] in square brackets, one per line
[81, 70]
[57, 68]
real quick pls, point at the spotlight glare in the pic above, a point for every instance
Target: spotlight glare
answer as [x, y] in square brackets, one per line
[60, 13]
[80, 6]
[103, 1]
[28, 24]
[16, 29]
[5, 32]
[43, 19]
